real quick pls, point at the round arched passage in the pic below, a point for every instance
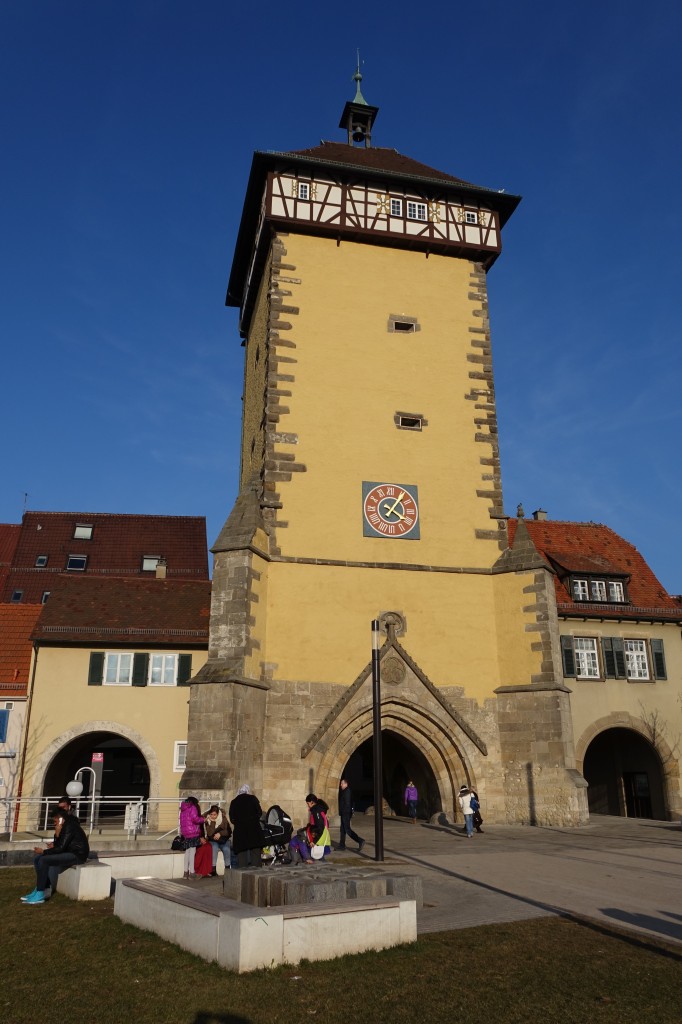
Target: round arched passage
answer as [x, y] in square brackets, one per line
[402, 761]
[625, 776]
[122, 769]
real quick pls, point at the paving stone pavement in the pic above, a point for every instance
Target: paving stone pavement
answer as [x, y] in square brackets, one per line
[618, 871]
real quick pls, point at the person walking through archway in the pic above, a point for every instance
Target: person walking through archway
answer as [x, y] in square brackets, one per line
[411, 798]
[346, 813]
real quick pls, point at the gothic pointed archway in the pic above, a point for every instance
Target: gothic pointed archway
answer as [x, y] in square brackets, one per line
[444, 762]
[403, 762]
[429, 736]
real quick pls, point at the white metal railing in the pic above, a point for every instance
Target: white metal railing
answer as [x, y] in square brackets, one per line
[134, 815]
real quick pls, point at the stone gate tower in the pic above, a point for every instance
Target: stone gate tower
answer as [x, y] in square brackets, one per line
[370, 487]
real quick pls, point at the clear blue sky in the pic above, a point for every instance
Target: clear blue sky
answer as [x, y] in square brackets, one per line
[127, 133]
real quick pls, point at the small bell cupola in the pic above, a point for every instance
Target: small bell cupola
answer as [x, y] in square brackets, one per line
[358, 116]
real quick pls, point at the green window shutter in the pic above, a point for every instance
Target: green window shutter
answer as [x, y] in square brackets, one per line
[184, 669]
[568, 656]
[140, 669]
[658, 658]
[619, 655]
[609, 659]
[96, 670]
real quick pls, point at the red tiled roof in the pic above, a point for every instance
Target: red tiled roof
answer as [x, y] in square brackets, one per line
[17, 623]
[117, 547]
[126, 610]
[594, 549]
[375, 158]
[9, 537]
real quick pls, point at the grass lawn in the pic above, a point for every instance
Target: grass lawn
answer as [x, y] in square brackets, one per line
[68, 961]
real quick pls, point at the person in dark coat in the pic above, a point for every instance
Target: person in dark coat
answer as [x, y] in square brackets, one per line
[70, 847]
[346, 813]
[247, 839]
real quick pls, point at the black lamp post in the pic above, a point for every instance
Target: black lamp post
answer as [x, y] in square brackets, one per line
[378, 766]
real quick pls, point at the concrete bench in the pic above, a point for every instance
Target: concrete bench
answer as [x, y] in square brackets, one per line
[166, 864]
[245, 938]
[89, 881]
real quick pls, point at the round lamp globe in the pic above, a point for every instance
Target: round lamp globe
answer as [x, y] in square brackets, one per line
[74, 788]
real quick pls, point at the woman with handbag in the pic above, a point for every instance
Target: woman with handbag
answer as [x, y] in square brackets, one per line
[218, 833]
[191, 831]
[319, 840]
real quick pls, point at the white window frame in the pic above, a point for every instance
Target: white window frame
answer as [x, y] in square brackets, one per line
[580, 590]
[598, 590]
[168, 666]
[416, 211]
[303, 190]
[77, 568]
[586, 655]
[82, 531]
[155, 559]
[41, 561]
[120, 674]
[396, 207]
[616, 592]
[637, 660]
[179, 755]
[470, 217]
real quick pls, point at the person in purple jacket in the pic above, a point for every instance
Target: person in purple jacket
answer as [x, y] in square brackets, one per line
[411, 797]
[191, 830]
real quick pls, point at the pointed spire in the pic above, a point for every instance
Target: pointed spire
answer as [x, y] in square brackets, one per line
[357, 78]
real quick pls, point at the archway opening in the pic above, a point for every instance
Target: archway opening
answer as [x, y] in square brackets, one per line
[120, 768]
[625, 776]
[402, 761]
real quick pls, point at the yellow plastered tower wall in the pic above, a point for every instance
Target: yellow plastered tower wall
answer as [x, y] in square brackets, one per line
[370, 487]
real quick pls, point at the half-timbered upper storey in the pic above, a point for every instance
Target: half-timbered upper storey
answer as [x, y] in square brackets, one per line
[371, 195]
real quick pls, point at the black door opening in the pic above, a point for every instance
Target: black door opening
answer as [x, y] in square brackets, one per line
[402, 762]
[625, 776]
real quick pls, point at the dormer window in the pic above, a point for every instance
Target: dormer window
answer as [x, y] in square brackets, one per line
[82, 531]
[598, 590]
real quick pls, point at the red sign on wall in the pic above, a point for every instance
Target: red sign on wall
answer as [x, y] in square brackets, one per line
[97, 758]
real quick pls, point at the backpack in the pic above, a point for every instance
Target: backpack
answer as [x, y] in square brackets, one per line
[475, 806]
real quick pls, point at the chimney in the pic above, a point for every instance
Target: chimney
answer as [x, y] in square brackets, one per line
[161, 566]
[540, 515]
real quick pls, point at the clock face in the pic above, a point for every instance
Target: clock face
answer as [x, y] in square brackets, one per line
[390, 510]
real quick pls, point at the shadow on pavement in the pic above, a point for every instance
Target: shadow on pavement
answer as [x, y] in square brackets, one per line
[641, 920]
[652, 924]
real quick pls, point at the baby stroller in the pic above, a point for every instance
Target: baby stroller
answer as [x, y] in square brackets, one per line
[277, 832]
